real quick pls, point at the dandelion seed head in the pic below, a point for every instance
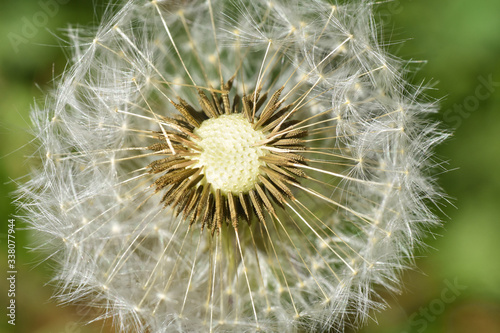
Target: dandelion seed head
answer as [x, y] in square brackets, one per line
[214, 166]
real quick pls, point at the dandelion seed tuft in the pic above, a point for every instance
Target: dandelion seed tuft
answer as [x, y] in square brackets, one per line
[244, 166]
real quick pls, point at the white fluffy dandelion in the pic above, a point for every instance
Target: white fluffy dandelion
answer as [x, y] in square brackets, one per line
[232, 166]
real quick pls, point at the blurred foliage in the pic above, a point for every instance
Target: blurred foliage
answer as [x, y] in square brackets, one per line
[461, 41]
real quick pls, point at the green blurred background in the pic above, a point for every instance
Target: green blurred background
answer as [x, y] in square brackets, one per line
[456, 287]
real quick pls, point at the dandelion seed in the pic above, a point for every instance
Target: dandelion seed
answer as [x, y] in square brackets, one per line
[232, 166]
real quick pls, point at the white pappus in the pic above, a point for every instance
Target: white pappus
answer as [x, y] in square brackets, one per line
[232, 166]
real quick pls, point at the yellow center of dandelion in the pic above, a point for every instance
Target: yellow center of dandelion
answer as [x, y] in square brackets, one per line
[230, 153]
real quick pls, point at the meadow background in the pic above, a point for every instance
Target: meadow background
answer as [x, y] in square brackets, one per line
[456, 287]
